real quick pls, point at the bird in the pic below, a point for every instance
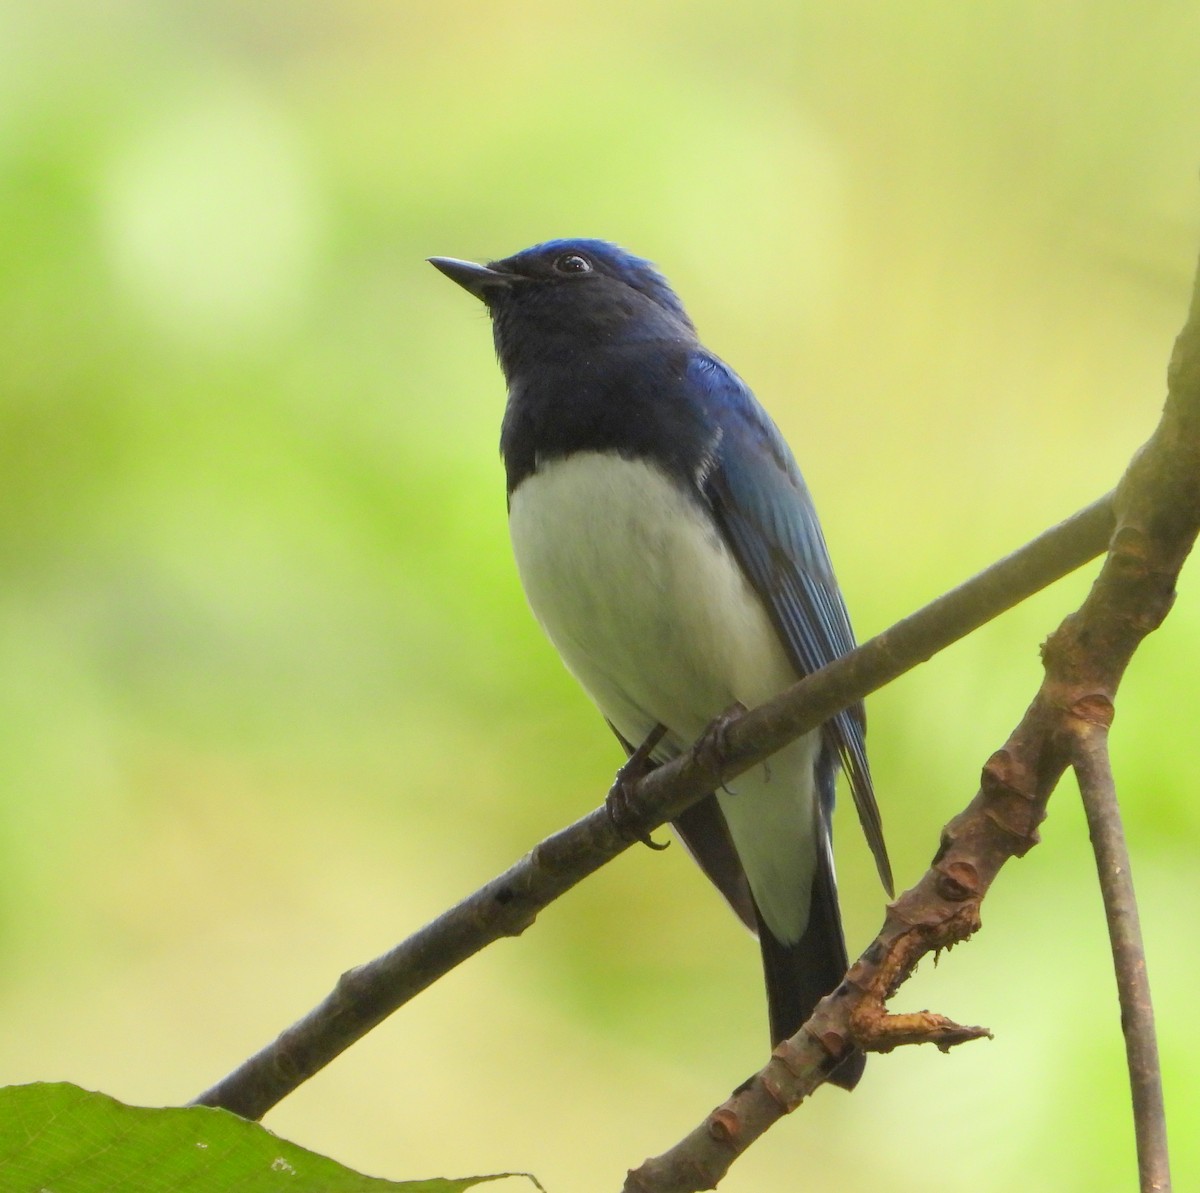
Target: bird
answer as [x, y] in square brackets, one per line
[670, 549]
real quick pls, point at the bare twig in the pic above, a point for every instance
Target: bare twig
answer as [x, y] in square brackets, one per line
[1157, 511]
[507, 905]
[1099, 794]
[1157, 507]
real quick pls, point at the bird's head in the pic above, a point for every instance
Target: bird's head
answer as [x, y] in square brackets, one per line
[564, 298]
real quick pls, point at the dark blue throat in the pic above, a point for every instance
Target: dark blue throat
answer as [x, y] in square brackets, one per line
[628, 397]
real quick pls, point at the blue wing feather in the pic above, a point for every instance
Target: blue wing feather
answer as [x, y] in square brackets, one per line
[764, 509]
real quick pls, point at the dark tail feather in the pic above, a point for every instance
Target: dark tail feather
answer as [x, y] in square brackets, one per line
[799, 975]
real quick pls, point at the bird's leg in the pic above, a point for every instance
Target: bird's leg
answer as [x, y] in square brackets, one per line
[712, 745]
[618, 800]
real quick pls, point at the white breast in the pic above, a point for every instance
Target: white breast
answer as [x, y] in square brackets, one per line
[652, 614]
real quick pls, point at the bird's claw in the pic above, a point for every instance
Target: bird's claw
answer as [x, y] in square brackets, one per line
[712, 746]
[619, 800]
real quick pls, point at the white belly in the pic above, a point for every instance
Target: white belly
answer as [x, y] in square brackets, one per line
[652, 614]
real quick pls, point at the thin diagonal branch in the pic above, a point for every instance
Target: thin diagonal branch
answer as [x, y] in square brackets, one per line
[507, 905]
[1157, 508]
[1096, 786]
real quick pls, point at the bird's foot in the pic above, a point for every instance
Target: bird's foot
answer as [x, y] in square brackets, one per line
[619, 800]
[712, 746]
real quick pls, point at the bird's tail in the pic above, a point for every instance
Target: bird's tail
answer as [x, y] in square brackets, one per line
[799, 975]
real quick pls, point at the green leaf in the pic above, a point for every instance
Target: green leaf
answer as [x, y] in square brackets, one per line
[58, 1138]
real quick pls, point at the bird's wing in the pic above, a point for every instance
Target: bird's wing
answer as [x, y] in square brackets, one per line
[764, 509]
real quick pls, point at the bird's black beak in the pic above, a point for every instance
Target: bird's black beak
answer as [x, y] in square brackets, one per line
[477, 279]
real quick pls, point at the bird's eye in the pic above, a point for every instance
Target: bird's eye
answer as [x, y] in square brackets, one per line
[572, 263]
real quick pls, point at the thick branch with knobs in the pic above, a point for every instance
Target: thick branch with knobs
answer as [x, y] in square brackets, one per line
[1157, 509]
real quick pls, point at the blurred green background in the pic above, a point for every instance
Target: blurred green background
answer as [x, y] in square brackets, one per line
[269, 694]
